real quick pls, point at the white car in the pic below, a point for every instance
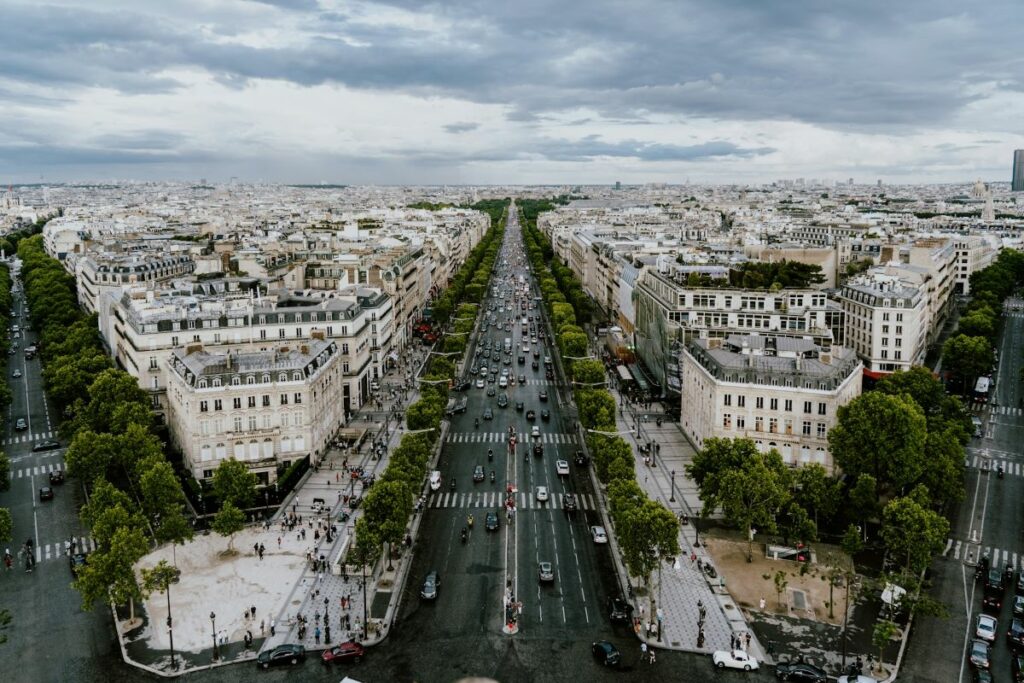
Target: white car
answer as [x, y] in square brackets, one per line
[734, 659]
[987, 627]
[535, 432]
[562, 467]
[479, 384]
[597, 532]
[542, 493]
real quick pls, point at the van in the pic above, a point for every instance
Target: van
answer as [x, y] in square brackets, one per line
[435, 480]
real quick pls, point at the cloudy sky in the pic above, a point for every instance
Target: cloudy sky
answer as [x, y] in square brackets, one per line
[510, 91]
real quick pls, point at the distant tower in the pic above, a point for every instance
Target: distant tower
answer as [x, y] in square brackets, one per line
[1018, 171]
[618, 185]
[988, 213]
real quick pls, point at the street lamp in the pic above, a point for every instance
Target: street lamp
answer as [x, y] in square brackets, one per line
[696, 530]
[598, 431]
[672, 497]
[213, 625]
[590, 384]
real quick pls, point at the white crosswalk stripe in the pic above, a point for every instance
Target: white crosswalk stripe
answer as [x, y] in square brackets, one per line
[525, 500]
[1010, 467]
[500, 437]
[998, 557]
[26, 438]
[40, 469]
[55, 551]
[977, 407]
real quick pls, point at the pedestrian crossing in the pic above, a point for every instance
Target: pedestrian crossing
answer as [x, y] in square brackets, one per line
[495, 499]
[28, 438]
[35, 471]
[977, 407]
[501, 437]
[998, 557]
[1010, 467]
[54, 551]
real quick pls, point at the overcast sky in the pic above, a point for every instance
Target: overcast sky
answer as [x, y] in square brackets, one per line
[510, 91]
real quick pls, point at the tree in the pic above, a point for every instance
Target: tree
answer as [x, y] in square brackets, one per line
[780, 581]
[387, 508]
[912, 531]
[968, 357]
[940, 409]
[588, 371]
[6, 525]
[5, 472]
[751, 495]
[816, 490]
[234, 483]
[163, 501]
[89, 455]
[881, 435]
[228, 521]
[108, 510]
[881, 636]
[717, 456]
[596, 409]
[979, 323]
[648, 533]
[944, 475]
[108, 391]
[109, 576]
[864, 499]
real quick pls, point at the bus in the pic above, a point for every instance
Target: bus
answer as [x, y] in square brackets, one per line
[981, 388]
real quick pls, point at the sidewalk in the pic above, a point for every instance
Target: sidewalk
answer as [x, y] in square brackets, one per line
[682, 584]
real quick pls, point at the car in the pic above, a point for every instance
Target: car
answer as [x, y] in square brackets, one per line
[522, 360]
[1016, 668]
[350, 651]
[1020, 584]
[492, 378]
[431, 584]
[734, 659]
[1018, 605]
[45, 446]
[491, 392]
[619, 610]
[981, 654]
[534, 364]
[16, 373]
[519, 406]
[580, 459]
[507, 360]
[800, 672]
[549, 374]
[45, 493]
[491, 521]
[480, 384]
[606, 653]
[545, 414]
[545, 572]
[488, 414]
[462, 385]
[289, 653]
[976, 422]
[569, 502]
[599, 535]
[20, 424]
[856, 678]
[986, 627]
[77, 561]
[538, 448]
[543, 395]
[478, 473]
[522, 379]
[562, 467]
[531, 415]
[535, 432]
[1014, 634]
[57, 477]
[542, 494]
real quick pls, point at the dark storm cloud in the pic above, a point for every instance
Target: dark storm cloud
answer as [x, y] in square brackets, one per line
[463, 127]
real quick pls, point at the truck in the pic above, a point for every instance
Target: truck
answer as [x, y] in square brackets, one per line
[508, 344]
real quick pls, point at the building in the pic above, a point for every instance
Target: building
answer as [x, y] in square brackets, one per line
[1017, 182]
[98, 273]
[782, 392]
[266, 409]
[885, 321]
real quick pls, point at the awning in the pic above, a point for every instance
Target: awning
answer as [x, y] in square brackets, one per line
[623, 373]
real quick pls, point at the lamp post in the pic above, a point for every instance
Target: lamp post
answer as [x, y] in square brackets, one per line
[213, 625]
[672, 497]
[170, 627]
[696, 530]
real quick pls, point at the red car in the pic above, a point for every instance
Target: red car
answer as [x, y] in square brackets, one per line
[346, 651]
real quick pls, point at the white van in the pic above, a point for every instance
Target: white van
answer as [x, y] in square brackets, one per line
[435, 480]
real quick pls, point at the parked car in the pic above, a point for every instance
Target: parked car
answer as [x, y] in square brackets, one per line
[981, 654]
[1014, 634]
[598, 534]
[620, 611]
[346, 652]
[431, 584]
[288, 653]
[546, 572]
[734, 659]
[800, 672]
[606, 653]
[986, 627]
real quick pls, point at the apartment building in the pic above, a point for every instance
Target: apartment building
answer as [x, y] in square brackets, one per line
[782, 392]
[973, 253]
[886, 321]
[233, 314]
[264, 408]
[98, 273]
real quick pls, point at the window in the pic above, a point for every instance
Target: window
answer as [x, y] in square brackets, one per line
[236, 381]
[252, 401]
[263, 334]
[266, 400]
[238, 424]
[789, 405]
[298, 398]
[807, 407]
[217, 404]
[284, 399]
[758, 424]
[822, 409]
[741, 401]
[741, 422]
[806, 428]
[773, 425]
[280, 333]
[174, 341]
[252, 423]
[216, 381]
[759, 402]
[298, 333]
[821, 430]
[152, 363]
[204, 406]
[236, 403]
[773, 404]
[788, 426]
[250, 380]
[727, 421]
[727, 399]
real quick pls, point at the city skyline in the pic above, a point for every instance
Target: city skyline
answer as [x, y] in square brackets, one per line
[474, 93]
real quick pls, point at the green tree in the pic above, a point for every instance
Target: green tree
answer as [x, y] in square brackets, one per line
[912, 531]
[647, 533]
[109, 576]
[90, 455]
[234, 483]
[864, 500]
[751, 496]
[228, 521]
[718, 456]
[944, 475]
[781, 583]
[158, 579]
[596, 409]
[163, 501]
[588, 372]
[881, 435]
[881, 636]
[940, 409]
[816, 491]
[5, 472]
[968, 357]
[387, 508]
[980, 323]
[6, 525]
[108, 391]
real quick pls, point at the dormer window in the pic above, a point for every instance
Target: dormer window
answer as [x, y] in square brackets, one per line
[235, 381]
[202, 384]
[216, 381]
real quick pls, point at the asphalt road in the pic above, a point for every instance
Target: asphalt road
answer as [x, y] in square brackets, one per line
[45, 609]
[988, 522]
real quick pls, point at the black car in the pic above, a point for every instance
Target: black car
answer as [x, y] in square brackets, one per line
[545, 414]
[569, 502]
[1015, 634]
[282, 654]
[522, 360]
[620, 611]
[478, 473]
[491, 521]
[463, 385]
[1016, 668]
[543, 395]
[580, 459]
[535, 365]
[606, 653]
[77, 561]
[531, 415]
[800, 672]
[519, 406]
[431, 584]
[538, 449]
[45, 493]
[549, 374]
[45, 446]
[57, 477]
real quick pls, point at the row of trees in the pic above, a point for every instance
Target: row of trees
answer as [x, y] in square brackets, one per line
[647, 531]
[388, 505]
[969, 354]
[135, 499]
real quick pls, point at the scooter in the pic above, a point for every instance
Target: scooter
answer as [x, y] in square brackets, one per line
[463, 534]
[492, 476]
[490, 454]
[476, 423]
[1000, 472]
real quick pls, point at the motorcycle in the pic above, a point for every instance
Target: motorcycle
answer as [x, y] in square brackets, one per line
[492, 476]
[999, 472]
[463, 534]
[490, 454]
[476, 423]
[469, 521]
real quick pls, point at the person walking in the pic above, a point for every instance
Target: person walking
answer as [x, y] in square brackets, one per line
[273, 624]
[652, 655]
[643, 650]
[316, 635]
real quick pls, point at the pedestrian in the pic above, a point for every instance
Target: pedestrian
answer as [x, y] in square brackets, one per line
[263, 628]
[316, 635]
[256, 549]
[327, 634]
[279, 542]
[761, 603]
[652, 655]
[746, 639]
[643, 650]
[273, 624]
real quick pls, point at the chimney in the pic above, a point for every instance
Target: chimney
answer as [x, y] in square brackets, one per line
[798, 364]
[826, 358]
[304, 349]
[193, 348]
[318, 334]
